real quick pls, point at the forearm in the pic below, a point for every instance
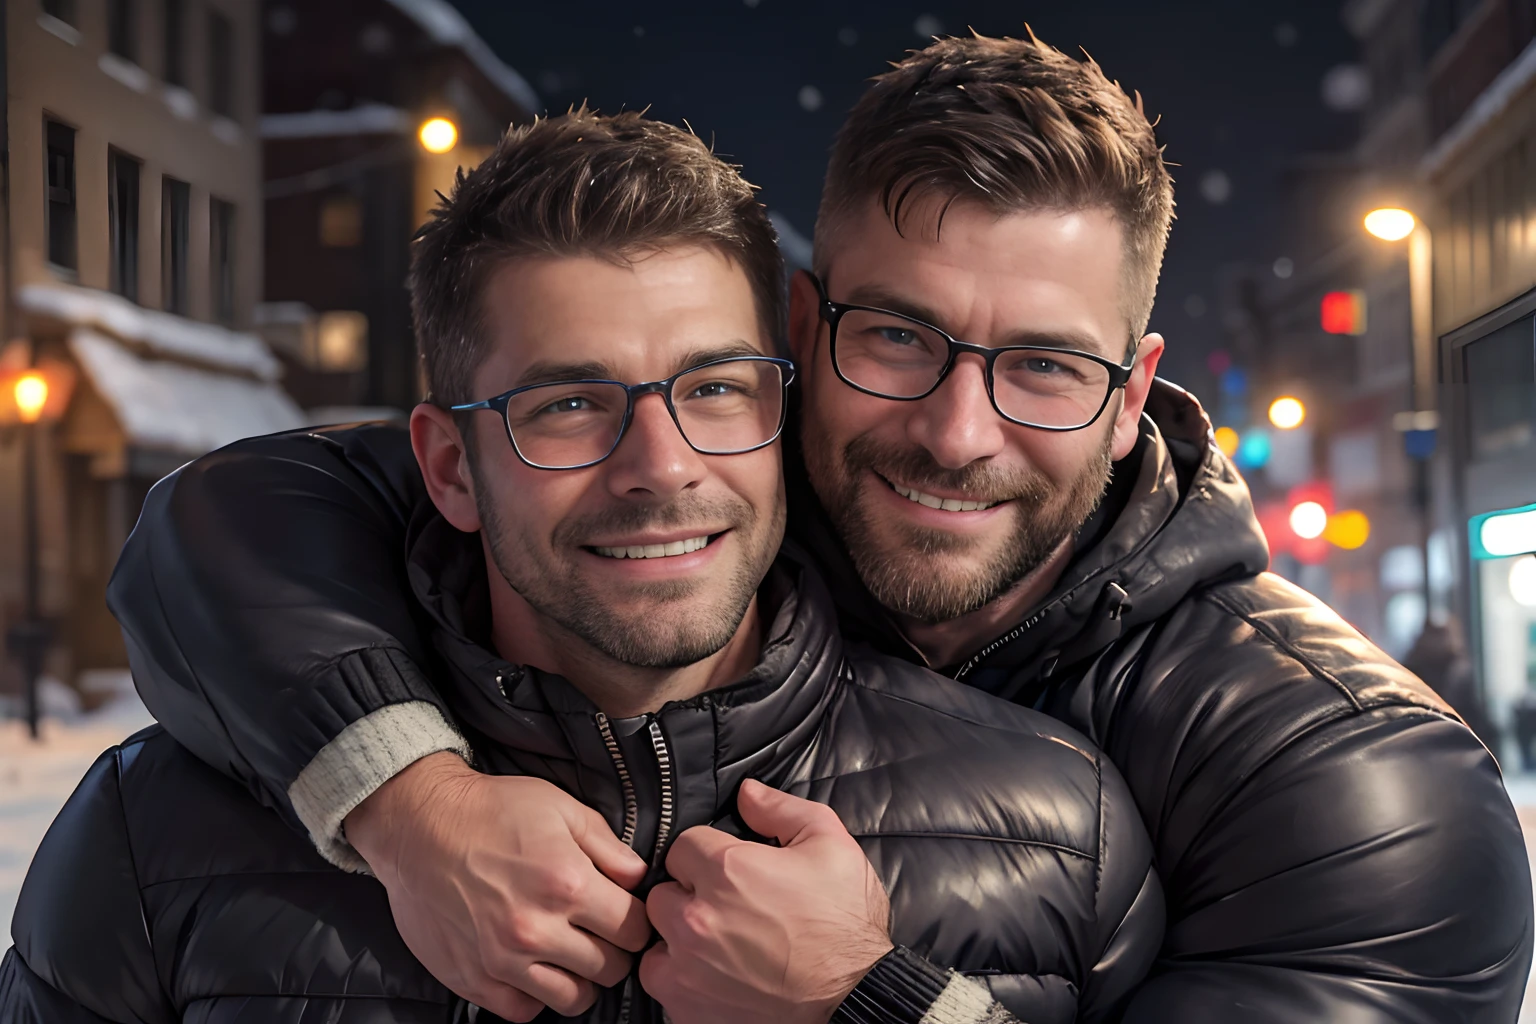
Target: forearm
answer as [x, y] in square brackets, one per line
[353, 766]
[904, 988]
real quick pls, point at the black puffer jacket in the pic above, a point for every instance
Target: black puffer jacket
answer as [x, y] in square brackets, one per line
[1333, 842]
[1010, 848]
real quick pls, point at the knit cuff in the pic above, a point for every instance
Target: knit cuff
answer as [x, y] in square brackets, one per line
[904, 988]
[362, 757]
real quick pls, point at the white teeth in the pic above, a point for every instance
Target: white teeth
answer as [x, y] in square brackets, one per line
[947, 504]
[676, 547]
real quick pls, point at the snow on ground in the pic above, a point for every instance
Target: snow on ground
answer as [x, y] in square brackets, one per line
[37, 777]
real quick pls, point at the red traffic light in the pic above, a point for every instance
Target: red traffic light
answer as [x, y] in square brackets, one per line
[1344, 312]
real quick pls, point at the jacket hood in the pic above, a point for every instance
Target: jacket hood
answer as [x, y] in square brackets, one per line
[524, 720]
[1178, 517]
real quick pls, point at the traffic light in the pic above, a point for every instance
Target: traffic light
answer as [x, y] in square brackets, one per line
[1344, 312]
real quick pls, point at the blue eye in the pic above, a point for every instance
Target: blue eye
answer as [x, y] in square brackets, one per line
[898, 335]
[570, 403]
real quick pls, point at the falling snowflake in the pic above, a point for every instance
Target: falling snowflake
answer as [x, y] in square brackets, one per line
[1286, 35]
[1215, 187]
[1284, 267]
[810, 98]
[1346, 88]
[927, 26]
[848, 35]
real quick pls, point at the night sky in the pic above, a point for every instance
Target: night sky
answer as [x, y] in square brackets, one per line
[1237, 85]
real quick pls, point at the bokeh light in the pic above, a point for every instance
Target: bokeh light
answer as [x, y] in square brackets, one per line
[438, 135]
[1227, 440]
[1287, 413]
[1253, 451]
[1390, 224]
[31, 394]
[1309, 520]
[1349, 529]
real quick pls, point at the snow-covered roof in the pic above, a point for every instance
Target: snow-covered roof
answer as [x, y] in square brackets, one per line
[163, 333]
[446, 26]
[1490, 104]
[171, 406]
[363, 119]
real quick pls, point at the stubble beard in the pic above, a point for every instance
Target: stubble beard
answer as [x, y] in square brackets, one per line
[669, 627]
[913, 570]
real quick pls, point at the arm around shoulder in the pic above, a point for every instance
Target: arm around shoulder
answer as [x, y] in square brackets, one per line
[265, 604]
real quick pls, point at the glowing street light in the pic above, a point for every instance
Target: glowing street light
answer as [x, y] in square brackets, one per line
[1287, 413]
[1349, 529]
[1308, 520]
[1390, 224]
[438, 135]
[31, 394]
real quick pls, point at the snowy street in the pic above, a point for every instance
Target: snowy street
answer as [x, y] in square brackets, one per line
[36, 779]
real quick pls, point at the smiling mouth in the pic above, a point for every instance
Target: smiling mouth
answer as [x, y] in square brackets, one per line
[942, 504]
[670, 550]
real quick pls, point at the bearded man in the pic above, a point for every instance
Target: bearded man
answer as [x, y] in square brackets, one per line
[996, 486]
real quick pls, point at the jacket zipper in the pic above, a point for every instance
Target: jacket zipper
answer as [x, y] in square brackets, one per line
[631, 805]
[664, 764]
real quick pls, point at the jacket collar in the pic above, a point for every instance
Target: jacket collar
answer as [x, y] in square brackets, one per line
[523, 720]
[1186, 521]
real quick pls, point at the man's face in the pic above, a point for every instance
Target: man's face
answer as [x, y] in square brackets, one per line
[1048, 279]
[587, 548]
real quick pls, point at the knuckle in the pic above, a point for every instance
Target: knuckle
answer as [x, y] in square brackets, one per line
[520, 936]
[564, 885]
[699, 923]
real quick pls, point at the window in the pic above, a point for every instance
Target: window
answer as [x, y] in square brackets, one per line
[341, 222]
[64, 10]
[221, 65]
[221, 258]
[1501, 389]
[121, 24]
[60, 178]
[175, 211]
[175, 42]
[123, 220]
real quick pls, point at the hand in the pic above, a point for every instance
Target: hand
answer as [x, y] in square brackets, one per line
[510, 891]
[752, 933]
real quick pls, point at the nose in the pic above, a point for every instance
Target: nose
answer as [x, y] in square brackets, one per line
[652, 461]
[957, 424]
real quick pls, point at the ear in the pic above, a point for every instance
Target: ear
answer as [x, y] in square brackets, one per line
[804, 318]
[1128, 422]
[444, 463]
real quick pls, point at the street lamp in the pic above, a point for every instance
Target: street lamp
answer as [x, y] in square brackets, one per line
[36, 396]
[1418, 426]
[438, 135]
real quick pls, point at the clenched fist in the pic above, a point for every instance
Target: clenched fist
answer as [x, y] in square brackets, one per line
[755, 934]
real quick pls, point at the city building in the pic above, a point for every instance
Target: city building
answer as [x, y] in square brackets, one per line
[351, 173]
[133, 265]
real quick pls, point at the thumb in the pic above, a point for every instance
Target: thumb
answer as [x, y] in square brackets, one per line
[623, 866]
[789, 819]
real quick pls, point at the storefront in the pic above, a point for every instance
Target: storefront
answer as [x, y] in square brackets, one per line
[1490, 373]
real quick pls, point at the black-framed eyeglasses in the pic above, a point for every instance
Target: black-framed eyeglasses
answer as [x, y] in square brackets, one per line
[723, 407]
[890, 355]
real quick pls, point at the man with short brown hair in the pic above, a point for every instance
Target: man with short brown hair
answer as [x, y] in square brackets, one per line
[995, 486]
[620, 637]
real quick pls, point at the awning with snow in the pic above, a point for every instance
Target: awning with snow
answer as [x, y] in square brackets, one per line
[179, 408]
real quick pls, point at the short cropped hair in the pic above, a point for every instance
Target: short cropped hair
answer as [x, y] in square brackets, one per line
[582, 184]
[1015, 125]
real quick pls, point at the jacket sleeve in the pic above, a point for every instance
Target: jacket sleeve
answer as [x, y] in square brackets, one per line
[1335, 845]
[82, 952]
[265, 606]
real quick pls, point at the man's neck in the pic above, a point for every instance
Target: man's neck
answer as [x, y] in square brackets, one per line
[946, 643]
[523, 636]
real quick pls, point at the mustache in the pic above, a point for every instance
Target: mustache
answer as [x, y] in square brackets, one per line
[914, 467]
[714, 514]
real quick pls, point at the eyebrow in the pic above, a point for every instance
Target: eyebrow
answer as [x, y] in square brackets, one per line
[1080, 341]
[548, 372]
